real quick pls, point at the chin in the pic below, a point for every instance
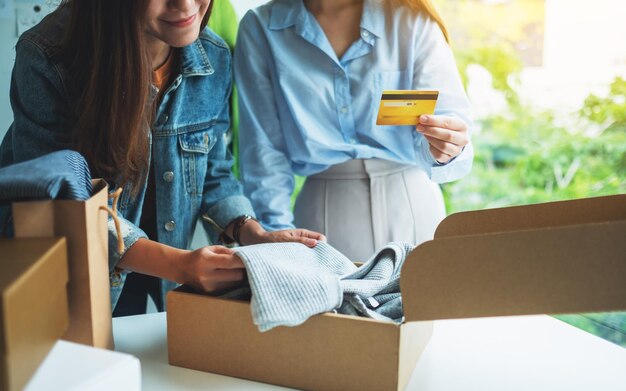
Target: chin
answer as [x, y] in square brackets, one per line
[182, 41]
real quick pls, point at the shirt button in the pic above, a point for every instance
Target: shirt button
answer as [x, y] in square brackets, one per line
[170, 226]
[366, 33]
[352, 141]
[168, 176]
[344, 109]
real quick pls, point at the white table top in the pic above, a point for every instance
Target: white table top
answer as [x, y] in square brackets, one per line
[507, 353]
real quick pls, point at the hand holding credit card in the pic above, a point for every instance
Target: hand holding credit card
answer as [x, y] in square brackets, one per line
[404, 107]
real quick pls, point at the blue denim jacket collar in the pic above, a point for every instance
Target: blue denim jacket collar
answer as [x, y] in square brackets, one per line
[194, 60]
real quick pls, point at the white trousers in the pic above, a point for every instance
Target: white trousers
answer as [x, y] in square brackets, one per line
[361, 205]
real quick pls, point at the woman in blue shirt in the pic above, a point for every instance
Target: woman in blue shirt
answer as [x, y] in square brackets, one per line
[141, 89]
[310, 75]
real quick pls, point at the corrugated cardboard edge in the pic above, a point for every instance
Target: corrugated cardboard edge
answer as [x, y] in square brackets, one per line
[570, 269]
[544, 215]
[327, 352]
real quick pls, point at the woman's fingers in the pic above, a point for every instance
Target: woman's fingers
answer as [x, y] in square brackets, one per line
[444, 147]
[446, 135]
[312, 234]
[443, 121]
[439, 156]
[304, 236]
[220, 250]
[226, 275]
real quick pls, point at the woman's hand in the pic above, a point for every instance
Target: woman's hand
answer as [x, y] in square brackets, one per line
[212, 269]
[207, 269]
[446, 135]
[253, 233]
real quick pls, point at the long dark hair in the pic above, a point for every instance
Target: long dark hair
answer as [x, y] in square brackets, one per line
[106, 50]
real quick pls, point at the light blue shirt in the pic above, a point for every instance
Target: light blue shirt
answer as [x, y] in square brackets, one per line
[302, 109]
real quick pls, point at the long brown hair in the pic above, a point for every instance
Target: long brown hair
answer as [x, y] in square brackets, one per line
[428, 7]
[106, 50]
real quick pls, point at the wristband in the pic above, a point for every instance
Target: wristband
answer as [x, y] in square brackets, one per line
[240, 222]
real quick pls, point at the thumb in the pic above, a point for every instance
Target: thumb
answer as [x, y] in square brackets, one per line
[309, 242]
[221, 250]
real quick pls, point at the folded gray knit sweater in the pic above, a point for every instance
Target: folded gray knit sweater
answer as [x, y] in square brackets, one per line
[290, 282]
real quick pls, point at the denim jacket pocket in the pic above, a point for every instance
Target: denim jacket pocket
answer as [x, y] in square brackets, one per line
[195, 147]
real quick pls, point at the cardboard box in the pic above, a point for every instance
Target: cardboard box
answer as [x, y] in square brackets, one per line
[558, 257]
[34, 307]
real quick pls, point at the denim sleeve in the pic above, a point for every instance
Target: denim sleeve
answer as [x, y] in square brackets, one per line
[222, 195]
[41, 109]
[265, 169]
[130, 234]
[42, 123]
[435, 69]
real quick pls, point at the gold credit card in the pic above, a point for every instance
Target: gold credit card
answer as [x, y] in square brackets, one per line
[403, 107]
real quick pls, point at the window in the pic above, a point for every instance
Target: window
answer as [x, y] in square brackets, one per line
[547, 81]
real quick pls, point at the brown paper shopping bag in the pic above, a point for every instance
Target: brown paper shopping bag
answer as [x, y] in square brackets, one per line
[84, 225]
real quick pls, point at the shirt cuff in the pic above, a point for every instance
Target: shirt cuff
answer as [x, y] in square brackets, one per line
[130, 234]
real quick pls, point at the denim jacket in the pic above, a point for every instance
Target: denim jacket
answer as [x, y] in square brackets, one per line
[189, 137]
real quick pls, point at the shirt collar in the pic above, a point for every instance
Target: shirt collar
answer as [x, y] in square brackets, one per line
[373, 19]
[286, 13]
[194, 59]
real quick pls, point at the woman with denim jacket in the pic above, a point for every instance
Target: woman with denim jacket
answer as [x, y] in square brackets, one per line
[141, 89]
[310, 76]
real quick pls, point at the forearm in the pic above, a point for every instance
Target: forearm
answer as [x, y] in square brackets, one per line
[155, 259]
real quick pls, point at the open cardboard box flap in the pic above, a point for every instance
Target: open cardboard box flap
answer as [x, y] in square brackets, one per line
[557, 257]
[524, 217]
[547, 258]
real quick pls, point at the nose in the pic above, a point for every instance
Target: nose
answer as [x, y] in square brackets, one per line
[181, 5]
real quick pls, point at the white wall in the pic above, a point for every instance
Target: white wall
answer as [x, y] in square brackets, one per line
[7, 57]
[29, 12]
[241, 6]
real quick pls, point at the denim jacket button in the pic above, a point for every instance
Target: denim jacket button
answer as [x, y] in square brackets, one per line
[168, 176]
[170, 225]
[164, 119]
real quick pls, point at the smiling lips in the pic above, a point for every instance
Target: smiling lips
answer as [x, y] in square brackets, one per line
[182, 22]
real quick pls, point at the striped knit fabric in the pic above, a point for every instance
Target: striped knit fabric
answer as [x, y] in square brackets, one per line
[58, 175]
[290, 282]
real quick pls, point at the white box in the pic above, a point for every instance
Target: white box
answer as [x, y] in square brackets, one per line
[71, 366]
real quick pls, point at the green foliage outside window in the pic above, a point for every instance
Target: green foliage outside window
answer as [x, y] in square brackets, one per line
[524, 156]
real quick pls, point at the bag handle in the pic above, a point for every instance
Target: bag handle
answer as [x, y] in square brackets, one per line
[113, 212]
